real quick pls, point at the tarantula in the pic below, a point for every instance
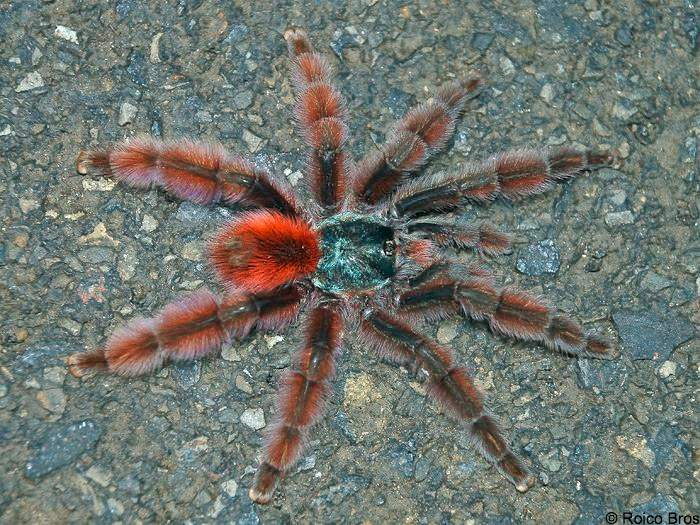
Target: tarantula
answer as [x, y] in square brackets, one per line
[369, 257]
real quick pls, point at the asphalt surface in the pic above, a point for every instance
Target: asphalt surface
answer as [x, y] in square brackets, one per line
[619, 249]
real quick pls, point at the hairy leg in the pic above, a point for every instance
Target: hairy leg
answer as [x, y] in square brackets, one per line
[451, 385]
[512, 174]
[509, 311]
[196, 171]
[422, 132]
[303, 391]
[479, 237]
[190, 328]
[320, 115]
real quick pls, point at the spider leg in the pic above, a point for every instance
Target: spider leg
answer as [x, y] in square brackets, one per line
[451, 385]
[421, 133]
[512, 174]
[481, 237]
[508, 311]
[304, 389]
[321, 119]
[190, 328]
[196, 171]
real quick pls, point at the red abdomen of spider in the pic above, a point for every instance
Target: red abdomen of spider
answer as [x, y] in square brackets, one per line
[262, 250]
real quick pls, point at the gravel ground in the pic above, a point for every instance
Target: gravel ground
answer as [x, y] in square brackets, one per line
[79, 256]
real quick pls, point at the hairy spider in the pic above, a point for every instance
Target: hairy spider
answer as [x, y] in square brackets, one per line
[369, 257]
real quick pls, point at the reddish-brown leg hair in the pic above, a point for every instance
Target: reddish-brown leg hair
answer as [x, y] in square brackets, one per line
[512, 174]
[320, 116]
[422, 132]
[196, 171]
[190, 328]
[303, 392]
[508, 311]
[451, 385]
[479, 237]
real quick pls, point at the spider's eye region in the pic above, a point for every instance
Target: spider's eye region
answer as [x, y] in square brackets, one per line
[357, 253]
[389, 248]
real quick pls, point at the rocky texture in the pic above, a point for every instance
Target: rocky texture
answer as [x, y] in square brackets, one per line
[80, 255]
[648, 335]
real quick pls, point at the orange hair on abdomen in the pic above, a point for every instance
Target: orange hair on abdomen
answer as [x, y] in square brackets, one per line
[264, 249]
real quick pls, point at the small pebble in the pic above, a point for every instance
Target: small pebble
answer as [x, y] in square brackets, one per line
[66, 33]
[126, 266]
[618, 197]
[55, 375]
[32, 383]
[227, 415]
[252, 141]
[127, 113]
[36, 56]
[447, 331]
[623, 110]
[307, 462]
[230, 487]
[624, 36]
[243, 385]
[217, 507]
[93, 255]
[507, 66]
[295, 177]
[547, 93]
[98, 235]
[100, 184]
[637, 448]
[149, 223]
[202, 498]
[599, 129]
[198, 444]
[99, 476]
[243, 99]
[552, 463]
[53, 400]
[482, 41]
[624, 149]
[32, 81]
[204, 116]
[229, 353]
[192, 251]
[253, 418]
[28, 205]
[668, 369]
[539, 259]
[154, 48]
[406, 45]
[187, 373]
[619, 218]
[272, 340]
[655, 282]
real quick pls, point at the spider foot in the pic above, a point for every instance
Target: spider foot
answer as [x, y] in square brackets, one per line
[264, 484]
[92, 159]
[82, 363]
[526, 484]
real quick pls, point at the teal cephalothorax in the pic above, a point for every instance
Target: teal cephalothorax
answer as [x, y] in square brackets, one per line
[357, 253]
